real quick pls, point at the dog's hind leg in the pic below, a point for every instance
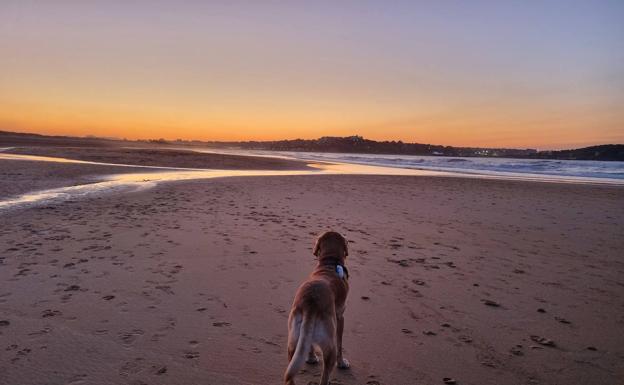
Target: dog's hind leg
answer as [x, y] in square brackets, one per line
[294, 330]
[329, 361]
[303, 331]
[325, 335]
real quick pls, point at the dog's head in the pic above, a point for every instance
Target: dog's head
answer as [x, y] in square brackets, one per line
[331, 245]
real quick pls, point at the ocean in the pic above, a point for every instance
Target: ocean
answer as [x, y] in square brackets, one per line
[580, 170]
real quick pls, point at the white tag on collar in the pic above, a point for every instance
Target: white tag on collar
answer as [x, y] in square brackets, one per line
[340, 271]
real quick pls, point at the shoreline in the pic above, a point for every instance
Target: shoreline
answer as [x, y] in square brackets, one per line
[119, 178]
[180, 158]
[339, 158]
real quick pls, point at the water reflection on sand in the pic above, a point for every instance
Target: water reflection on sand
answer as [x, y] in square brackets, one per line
[138, 181]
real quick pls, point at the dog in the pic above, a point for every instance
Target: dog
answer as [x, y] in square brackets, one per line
[316, 320]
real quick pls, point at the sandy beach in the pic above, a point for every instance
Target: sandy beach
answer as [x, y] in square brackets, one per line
[481, 281]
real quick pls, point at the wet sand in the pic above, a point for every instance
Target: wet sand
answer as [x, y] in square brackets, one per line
[161, 157]
[482, 281]
[19, 176]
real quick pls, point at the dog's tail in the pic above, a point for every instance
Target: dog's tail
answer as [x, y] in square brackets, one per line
[301, 351]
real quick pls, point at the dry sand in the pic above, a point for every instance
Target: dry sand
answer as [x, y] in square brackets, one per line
[191, 282]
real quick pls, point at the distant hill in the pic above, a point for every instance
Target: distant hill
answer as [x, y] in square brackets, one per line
[357, 144]
[350, 144]
[602, 152]
[16, 139]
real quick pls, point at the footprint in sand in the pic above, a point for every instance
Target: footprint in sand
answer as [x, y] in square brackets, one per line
[131, 367]
[129, 338]
[50, 313]
[543, 341]
[159, 370]
[517, 350]
[465, 339]
[77, 379]
[489, 302]
[72, 288]
[563, 320]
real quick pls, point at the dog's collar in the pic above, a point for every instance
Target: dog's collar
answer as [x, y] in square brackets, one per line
[342, 272]
[339, 268]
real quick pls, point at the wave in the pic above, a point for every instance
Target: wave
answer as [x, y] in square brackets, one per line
[486, 166]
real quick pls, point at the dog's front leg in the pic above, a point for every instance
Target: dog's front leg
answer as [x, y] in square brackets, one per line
[342, 362]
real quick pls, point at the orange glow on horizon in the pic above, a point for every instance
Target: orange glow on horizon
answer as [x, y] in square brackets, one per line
[494, 130]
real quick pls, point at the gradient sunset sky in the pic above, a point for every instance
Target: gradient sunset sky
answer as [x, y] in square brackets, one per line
[539, 74]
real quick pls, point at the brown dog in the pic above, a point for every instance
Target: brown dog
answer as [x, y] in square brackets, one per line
[316, 319]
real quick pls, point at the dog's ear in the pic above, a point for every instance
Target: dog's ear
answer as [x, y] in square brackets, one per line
[346, 246]
[317, 247]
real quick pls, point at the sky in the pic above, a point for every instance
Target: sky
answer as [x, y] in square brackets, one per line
[528, 74]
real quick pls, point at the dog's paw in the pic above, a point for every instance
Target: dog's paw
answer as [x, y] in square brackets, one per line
[343, 364]
[312, 359]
